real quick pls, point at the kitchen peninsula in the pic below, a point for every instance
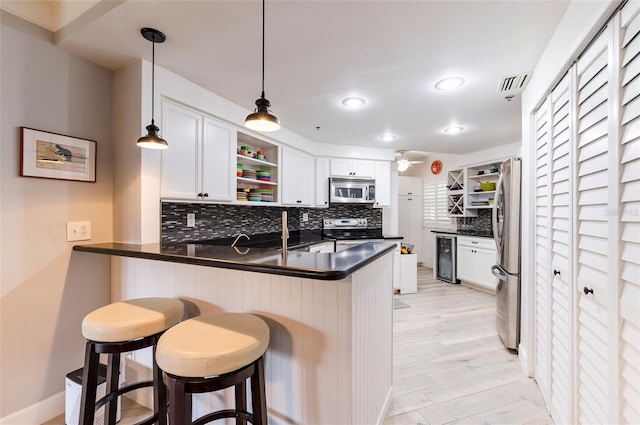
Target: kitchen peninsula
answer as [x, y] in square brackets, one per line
[330, 316]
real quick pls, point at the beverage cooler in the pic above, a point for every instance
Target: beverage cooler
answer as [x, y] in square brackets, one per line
[446, 258]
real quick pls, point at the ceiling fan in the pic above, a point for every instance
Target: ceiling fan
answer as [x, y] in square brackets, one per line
[403, 162]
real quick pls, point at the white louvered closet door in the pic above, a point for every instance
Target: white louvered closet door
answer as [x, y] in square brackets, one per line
[562, 115]
[542, 272]
[629, 173]
[592, 239]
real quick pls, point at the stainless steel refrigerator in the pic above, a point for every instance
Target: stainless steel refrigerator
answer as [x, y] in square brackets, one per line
[506, 232]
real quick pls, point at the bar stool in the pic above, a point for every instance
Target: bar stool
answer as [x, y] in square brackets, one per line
[117, 328]
[211, 353]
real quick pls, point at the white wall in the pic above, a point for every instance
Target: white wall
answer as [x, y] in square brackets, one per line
[580, 23]
[46, 288]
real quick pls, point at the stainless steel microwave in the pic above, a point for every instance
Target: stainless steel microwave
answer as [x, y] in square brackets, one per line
[352, 190]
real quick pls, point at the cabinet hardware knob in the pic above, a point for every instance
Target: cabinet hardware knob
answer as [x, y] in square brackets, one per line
[587, 291]
[206, 195]
[200, 195]
[556, 272]
[325, 202]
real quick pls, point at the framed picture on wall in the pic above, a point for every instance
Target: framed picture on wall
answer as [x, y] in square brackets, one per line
[56, 156]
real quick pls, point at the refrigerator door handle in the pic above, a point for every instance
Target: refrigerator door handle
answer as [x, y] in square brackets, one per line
[494, 222]
[498, 272]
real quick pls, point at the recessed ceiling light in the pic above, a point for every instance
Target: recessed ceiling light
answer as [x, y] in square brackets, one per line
[388, 137]
[450, 83]
[353, 102]
[453, 130]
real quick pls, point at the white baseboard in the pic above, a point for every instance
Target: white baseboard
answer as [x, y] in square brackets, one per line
[524, 360]
[37, 413]
[385, 407]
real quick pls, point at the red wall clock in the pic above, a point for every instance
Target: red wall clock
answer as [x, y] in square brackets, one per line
[436, 167]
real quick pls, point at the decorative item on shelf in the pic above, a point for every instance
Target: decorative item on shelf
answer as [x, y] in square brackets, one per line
[493, 170]
[488, 186]
[260, 155]
[248, 173]
[152, 140]
[263, 175]
[490, 201]
[241, 194]
[255, 195]
[239, 170]
[261, 119]
[266, 195]
[481, 172]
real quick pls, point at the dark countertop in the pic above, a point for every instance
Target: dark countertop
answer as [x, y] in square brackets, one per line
[322, 266]
[297, 239]
[465, 233]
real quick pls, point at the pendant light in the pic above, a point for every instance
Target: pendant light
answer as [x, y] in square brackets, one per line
[152, 140]
[261, 119]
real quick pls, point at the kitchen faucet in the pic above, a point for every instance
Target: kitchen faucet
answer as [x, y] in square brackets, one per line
[238, 237]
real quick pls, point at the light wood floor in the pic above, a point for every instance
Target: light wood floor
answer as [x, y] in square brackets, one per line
[450, 366]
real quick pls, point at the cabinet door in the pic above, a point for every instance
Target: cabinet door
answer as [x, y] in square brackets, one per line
[465, 263]
[409, 186]
[297, 177]
[484, 259]
[341, 167]
[218, 153]
[383, 183]
[410, 221]
[629, 157]
[362, 168]
[592, 218]
[322, 182]
[560, 201]
[182, 128]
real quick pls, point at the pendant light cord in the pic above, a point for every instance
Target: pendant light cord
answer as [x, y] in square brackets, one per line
[153, 78]
[263, 21]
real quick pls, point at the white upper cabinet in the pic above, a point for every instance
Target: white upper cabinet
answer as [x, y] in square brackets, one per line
[383, 183]
[198, 163]
[352, 167]
[409, 186]
[297, 177]
[217, 161]
[322, 182]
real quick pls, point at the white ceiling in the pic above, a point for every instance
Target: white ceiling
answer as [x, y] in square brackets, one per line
[318, 52]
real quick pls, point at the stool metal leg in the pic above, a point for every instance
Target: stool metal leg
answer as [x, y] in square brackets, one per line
[241, 400]
[113, 375]
[179, 402]
[89, 385]
[258, 395]
[159, 392]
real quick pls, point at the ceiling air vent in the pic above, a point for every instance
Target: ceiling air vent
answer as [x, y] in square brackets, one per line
[513, 84]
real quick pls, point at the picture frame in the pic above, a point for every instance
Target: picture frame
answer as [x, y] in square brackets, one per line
[48, 155]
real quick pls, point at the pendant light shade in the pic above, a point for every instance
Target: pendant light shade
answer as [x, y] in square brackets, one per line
[262, 119]
[152, 140]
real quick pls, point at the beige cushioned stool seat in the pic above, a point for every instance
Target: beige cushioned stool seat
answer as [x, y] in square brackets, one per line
[132, 319]
[212, 345]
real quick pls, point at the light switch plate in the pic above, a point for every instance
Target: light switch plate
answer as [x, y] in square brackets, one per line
[78, 231]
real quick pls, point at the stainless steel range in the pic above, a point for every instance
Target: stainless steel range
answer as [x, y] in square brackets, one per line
[349, 229]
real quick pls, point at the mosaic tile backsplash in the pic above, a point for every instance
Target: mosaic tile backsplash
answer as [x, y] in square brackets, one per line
[481, 223]
[215, 221]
